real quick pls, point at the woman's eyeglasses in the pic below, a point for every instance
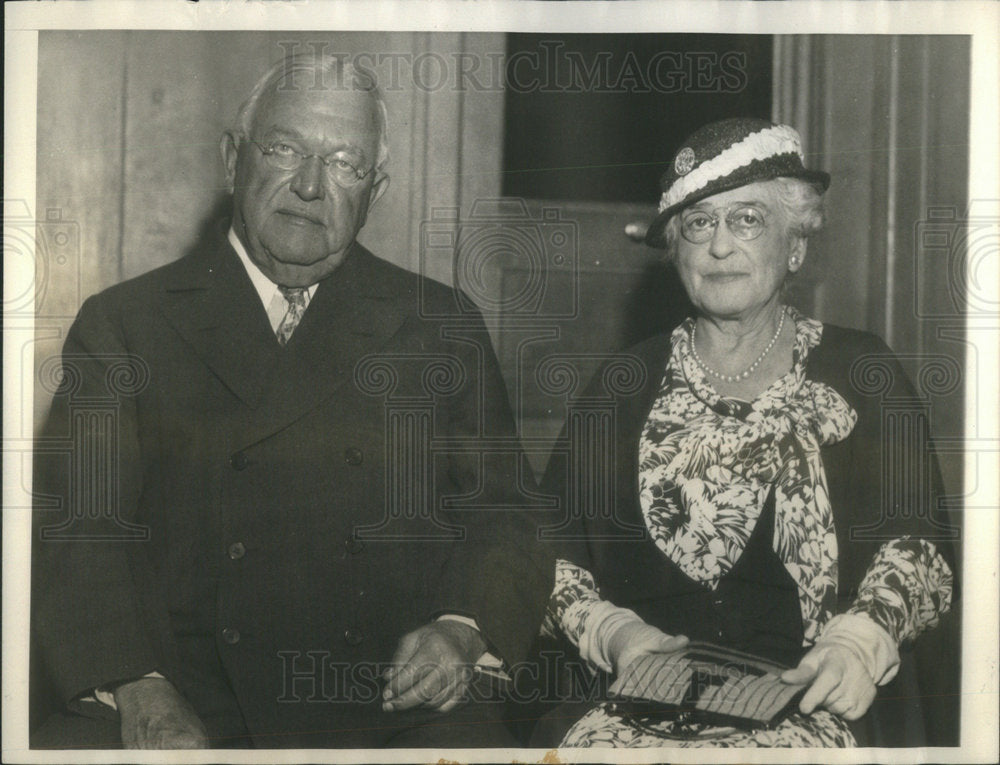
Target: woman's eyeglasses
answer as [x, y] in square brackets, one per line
[746, 223]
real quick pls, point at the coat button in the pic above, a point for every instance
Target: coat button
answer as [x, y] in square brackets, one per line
[231, 636]
[353, 456]
[353, 637]
[354, 546]
[239, 461]
[237, 550]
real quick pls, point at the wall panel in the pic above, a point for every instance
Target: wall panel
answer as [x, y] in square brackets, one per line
[181, 92]
[79, 148]
[78, 204]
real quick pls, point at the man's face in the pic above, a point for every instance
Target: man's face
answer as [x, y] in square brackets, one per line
[297, 225]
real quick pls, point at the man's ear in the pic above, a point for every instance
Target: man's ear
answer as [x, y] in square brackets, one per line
[230, 148]
[378, 189]
[380, 186]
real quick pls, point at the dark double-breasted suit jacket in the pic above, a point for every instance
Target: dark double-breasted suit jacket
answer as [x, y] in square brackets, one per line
[262, 524]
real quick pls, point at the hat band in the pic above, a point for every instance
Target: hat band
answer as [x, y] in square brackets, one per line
[770, 142]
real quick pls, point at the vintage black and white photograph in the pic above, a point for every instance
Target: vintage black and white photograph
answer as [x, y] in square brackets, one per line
[514, 381]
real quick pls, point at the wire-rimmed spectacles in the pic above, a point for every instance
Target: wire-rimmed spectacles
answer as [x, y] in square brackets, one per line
[341, 168]
[745, 222]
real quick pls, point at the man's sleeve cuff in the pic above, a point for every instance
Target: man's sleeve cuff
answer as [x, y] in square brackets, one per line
[106, 694]
[487, 659]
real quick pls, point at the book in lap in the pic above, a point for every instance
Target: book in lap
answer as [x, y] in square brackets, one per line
[706, 683]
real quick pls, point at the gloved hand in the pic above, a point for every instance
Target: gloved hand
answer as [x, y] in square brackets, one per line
[634, 638]
[614, 637]
[842, 669]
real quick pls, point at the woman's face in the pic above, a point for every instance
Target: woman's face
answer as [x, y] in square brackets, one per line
[725, 276]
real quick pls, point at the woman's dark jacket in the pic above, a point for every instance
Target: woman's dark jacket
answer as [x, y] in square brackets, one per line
[883, 480]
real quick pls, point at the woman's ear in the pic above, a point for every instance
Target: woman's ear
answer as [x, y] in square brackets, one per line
[797, 253]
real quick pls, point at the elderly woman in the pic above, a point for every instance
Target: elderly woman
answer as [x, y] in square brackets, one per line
[749, 459]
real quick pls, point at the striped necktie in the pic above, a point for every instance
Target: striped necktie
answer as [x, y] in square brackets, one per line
[296, 299]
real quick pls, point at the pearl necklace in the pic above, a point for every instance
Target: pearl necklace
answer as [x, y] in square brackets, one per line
[750, 369]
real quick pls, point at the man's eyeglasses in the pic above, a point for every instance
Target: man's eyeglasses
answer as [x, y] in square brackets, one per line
[746, 223]
[341, 169]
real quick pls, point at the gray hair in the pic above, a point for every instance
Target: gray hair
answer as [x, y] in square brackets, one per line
[801, 205]
[322, 67]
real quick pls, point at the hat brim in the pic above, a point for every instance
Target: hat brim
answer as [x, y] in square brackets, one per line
[742, 177]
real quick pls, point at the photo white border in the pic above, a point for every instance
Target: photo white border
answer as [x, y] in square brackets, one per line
[981, 20]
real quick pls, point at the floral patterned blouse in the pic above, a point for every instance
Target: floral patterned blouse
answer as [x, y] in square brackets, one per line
[706, 465]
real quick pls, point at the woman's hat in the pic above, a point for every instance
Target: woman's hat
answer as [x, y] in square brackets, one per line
[726, 155]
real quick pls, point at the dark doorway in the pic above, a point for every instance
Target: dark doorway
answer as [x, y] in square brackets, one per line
[597, 117]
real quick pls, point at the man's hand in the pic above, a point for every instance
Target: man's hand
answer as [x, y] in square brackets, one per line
[433, 667]
[155, 716]
[635, 638]
[838, 681]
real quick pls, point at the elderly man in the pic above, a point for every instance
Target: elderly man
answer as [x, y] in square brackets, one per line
[268, 525]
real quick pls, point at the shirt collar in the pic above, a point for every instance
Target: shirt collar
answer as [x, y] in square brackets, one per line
[266, 289]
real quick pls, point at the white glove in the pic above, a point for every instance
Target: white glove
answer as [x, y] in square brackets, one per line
[614, 637]
[851, 656]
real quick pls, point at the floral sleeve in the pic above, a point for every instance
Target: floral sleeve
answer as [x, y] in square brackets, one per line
[906, 589]
[574, 595]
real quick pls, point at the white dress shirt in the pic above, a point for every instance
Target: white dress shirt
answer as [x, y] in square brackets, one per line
[270, 296]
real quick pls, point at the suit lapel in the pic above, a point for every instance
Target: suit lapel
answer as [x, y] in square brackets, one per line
[212, 303]
[354, 312]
